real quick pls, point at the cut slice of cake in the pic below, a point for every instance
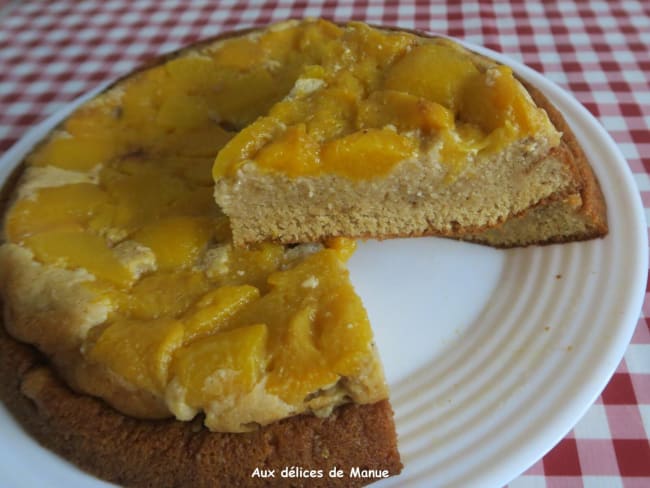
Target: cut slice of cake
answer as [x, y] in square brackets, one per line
[386, 133]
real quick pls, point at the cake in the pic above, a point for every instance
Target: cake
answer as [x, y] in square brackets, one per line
[139, 315]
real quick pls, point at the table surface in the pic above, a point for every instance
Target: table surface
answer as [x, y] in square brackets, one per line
[50, 52]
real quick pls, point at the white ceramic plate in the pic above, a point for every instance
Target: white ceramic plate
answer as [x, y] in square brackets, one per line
[492, 356]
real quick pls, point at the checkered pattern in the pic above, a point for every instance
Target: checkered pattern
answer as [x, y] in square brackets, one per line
[50, 52]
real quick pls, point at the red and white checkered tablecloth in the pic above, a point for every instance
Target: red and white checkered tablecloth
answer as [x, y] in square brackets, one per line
[50, 52]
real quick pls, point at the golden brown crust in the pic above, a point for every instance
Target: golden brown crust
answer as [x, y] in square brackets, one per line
[162, 453]
[594, 206]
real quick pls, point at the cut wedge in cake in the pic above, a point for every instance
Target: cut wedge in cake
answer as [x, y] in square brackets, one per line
[387, 133]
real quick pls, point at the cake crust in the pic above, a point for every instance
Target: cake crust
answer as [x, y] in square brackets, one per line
[594, 207]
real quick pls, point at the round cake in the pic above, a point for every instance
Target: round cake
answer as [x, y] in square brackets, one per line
[152, 345]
